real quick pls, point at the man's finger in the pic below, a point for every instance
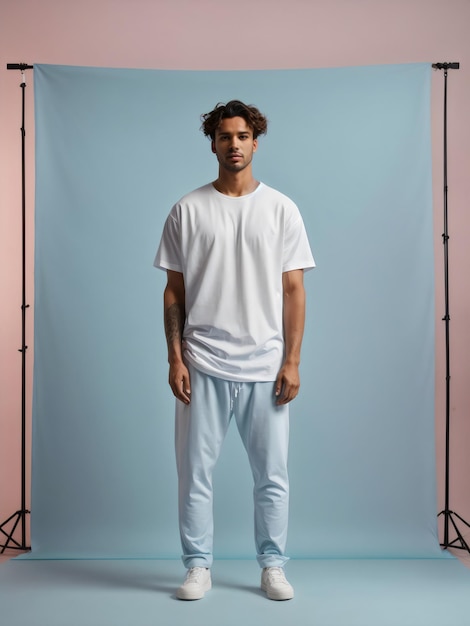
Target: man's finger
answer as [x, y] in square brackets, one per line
[186, 385]
[186, 389]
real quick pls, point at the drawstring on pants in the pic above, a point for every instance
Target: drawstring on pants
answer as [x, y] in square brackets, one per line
[235, 389]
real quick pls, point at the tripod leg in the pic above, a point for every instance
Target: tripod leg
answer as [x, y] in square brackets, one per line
[461, 519]
[463, 543]
[10, 536]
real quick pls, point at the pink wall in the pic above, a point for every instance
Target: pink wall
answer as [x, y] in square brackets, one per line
[249, 34]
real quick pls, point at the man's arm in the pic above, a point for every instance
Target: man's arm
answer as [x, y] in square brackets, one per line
[288, 379]
[174, 314]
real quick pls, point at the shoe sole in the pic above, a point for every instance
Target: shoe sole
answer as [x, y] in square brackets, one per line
[185, 594]
[288, 595]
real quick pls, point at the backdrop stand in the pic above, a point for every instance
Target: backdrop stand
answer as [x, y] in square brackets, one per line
[18, 519]
[449, 516]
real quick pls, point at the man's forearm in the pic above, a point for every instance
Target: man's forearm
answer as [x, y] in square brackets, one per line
[175, 317]
[294, 321]
[288, 380]
[174, 324]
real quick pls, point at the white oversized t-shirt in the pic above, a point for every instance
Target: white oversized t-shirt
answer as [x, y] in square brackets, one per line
[232, 252]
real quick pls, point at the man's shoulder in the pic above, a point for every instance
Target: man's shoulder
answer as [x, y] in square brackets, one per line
[196, 194]
[277, 196]
[190, 201]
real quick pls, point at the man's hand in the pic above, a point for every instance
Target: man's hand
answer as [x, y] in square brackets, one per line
[287, 383]
[180, 382]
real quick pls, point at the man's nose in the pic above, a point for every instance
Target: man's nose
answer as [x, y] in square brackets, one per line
[233, 143]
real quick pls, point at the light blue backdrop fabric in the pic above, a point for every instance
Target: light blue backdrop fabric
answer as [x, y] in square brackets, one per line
[115, 149]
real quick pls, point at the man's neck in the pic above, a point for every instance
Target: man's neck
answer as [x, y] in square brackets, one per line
[235, 184]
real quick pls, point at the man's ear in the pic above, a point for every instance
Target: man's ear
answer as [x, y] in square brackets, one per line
[255, 145]
[213, 146]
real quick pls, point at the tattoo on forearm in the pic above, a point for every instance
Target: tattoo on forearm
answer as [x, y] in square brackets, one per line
[174, 322]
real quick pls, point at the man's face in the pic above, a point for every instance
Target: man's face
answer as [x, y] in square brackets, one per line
[234, 144]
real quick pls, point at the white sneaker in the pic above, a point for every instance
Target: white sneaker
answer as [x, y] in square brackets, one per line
[197, 582]
[274, 582]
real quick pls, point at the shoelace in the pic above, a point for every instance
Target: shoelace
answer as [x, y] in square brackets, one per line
[276, 575]
[193, 574]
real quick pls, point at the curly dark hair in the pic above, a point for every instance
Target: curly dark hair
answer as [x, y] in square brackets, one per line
[235, 108]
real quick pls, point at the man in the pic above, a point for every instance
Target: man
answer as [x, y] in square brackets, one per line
[235, 251]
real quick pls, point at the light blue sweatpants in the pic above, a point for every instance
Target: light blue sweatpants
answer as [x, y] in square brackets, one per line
[201, 427]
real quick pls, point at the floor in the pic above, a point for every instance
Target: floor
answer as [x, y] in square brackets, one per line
[431, 592]
[428, 592]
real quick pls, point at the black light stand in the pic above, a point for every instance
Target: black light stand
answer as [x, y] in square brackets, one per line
[20, 516]
[449, 516]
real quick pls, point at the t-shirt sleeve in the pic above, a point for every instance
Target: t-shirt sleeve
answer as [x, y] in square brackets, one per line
[168, 254]
[297, 253]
